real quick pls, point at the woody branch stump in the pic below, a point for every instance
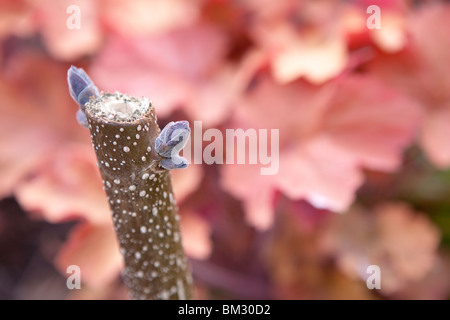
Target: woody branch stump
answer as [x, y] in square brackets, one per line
[134, 157]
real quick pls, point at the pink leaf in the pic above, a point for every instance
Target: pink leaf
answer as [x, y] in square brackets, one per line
[68, 187]
[93, 248]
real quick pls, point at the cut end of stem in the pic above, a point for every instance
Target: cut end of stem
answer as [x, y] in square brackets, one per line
[119, 107]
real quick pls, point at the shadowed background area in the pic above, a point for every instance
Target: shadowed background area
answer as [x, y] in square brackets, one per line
[364, 161]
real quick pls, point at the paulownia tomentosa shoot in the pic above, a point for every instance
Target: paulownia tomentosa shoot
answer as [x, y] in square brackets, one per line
[134, 157]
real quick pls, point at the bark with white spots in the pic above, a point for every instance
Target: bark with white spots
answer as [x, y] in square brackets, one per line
[139, 190]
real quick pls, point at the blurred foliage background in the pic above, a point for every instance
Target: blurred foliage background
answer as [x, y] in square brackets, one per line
[364, 120]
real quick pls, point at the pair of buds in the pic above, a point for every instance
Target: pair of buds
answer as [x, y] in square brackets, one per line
[169, 142]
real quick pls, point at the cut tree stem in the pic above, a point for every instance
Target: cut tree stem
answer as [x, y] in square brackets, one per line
[139, 190]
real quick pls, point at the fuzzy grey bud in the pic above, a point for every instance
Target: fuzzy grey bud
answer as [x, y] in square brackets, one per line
[81, 87]
[169, 143]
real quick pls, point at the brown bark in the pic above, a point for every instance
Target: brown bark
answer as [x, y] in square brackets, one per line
[143, 206]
